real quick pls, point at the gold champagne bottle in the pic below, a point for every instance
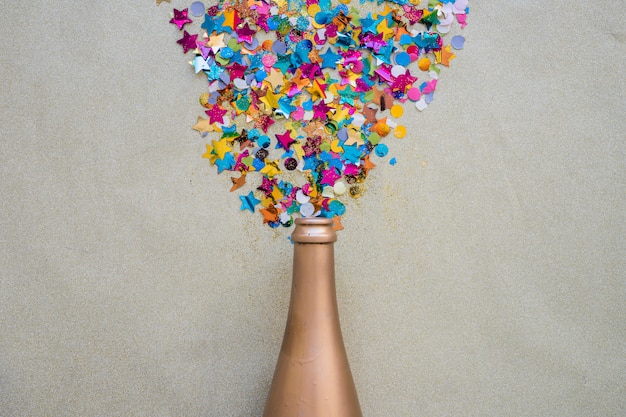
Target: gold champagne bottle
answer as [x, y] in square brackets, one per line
[312, 376]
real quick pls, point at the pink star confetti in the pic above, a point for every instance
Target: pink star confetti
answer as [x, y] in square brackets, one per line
[188, 41]
[180, 18]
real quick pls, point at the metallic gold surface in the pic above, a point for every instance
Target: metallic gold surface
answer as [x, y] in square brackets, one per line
[312, 376]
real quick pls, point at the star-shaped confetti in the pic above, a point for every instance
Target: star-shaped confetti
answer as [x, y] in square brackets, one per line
[188, 41]
[285, 140]
[332, 80]
[248, 202]
[216, 114]
[180, 18]
[238, 182]
[203, 125]
[329, 59]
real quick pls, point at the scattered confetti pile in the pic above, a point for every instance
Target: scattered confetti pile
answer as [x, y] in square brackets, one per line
[328, 75]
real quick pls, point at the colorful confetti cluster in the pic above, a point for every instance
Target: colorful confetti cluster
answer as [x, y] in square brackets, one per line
[327, 74]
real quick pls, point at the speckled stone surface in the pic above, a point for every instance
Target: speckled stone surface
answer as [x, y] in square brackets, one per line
[482, 275]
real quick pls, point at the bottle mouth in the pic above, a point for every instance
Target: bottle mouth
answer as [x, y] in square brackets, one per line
[314, 230]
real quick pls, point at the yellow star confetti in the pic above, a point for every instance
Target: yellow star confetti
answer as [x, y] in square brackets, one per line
[203, 125]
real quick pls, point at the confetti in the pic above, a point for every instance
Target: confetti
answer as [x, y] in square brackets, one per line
[297, 92]
[197, 8]
[397, 111]
[457, 42]
[399, 131]
[180, 18]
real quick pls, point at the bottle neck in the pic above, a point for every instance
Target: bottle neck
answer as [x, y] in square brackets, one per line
[313, 285]
[313, 292]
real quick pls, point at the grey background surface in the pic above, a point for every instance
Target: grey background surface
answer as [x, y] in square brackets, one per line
[483, 275]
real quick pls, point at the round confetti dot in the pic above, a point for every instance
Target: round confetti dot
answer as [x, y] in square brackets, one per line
[264, 141]
[399, 131]
[307, 209]
[243, 103]
[397, 70]
[355, 191]
[381, 150]
[337, 207]
[279, 48]
[403, 59]
[261, 154]
[227, 53]
[303, 47]
[273, 225]
[197, 8]
[328, 192]
[358, 119]
[339, 188]
[301, 197]
[313, 9]
[321, 18]
[344, 8]
[260, 75]
[393, 161]
[302, 23]
[414, 94]
[233, 44]
[285, 219]
[357, 67]
[240, 84]
[457, 42]
[291, 164]
[443, 29]
[267, 45]
[204, 99]
[396, 111]
[272, 24]
[423, 64]
[268, 60]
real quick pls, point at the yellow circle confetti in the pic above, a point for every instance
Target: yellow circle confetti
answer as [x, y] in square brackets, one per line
[204, 100]
[423, 64]
[314, 9]
[396, 111]
[399, 131]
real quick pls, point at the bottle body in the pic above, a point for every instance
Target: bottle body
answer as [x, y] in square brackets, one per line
[312, 376]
